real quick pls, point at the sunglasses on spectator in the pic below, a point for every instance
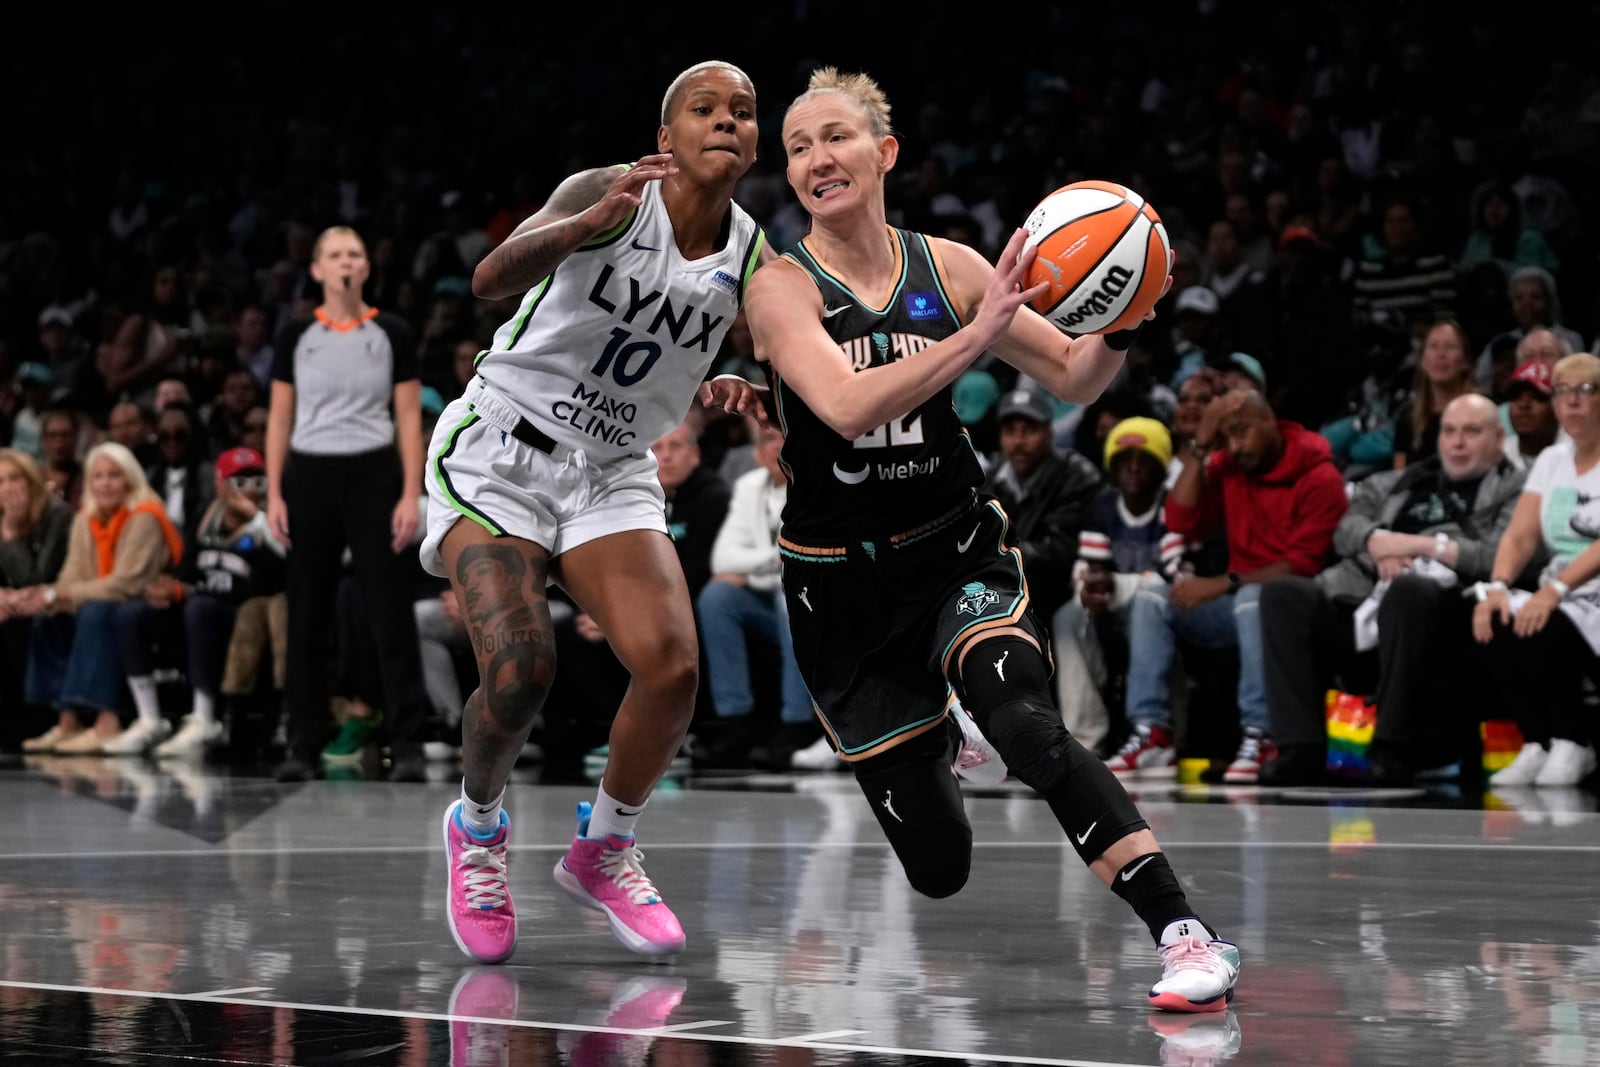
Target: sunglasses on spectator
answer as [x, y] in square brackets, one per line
[246, 483]
[1583, 388]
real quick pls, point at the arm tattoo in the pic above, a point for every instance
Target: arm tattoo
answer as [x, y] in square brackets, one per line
[532, 254]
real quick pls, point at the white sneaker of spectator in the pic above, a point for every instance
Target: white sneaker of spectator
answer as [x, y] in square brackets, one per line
[1567, 764]
[817, 756]
[139, 737]
[192, 739]
[1522, 770]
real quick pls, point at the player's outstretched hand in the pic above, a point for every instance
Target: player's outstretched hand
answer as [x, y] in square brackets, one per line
[734, 395]
[627, 190]
[1004, 294]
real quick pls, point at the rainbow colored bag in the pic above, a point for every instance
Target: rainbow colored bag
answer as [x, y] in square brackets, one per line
[1351, 720]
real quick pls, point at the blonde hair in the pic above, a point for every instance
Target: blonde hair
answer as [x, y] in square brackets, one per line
[138, 485]
[1580, 365]
[332, 231]
[38, 492]
[671, 95]
[861, 88]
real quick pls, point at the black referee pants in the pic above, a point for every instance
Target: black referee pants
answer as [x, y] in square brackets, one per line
[335, 501]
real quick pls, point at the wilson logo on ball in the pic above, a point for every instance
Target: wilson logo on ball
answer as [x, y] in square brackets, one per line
[1102, 254]
[1099, 301]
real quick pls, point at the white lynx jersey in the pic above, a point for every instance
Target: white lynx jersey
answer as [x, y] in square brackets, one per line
[605, 355]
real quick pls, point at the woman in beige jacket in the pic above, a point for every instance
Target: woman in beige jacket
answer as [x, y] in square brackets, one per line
[121, 538]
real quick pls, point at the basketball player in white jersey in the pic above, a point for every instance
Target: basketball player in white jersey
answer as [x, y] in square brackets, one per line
[542, 472]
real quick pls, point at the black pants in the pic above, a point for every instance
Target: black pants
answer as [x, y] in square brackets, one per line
[1541, 677]
[335, 501]
[1308, 641]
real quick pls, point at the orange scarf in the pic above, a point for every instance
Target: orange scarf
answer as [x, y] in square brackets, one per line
[106, 533]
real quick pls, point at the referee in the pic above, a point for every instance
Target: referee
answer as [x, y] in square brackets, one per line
[344, 466]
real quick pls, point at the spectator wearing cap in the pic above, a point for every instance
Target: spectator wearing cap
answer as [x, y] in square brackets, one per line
[234, 558]
[1392, 605]
[1531, 411]
[1313, 332]
[33, 383]
[1273, 484]
[1046, 492]
[1244, 371]
[1197, 338]
[1123, 545]
[61, 347]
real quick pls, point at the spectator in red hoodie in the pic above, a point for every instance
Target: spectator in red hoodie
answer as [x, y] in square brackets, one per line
[1274, 484]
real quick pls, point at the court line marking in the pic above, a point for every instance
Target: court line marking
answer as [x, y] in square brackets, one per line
[314, 850]
[662, 1032]
[827, 1035]
[208, 994]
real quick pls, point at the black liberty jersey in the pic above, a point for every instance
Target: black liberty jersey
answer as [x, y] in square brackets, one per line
[905, 473]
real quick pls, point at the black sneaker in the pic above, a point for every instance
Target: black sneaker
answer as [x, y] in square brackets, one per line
[1296, 764]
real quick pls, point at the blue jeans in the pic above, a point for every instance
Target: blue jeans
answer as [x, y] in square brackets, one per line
[729, 616]
[75, 662]
[1154, 630]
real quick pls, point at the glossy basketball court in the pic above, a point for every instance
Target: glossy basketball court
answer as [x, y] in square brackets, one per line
[171, 915]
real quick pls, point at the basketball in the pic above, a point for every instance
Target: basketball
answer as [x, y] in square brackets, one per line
[1103, 251]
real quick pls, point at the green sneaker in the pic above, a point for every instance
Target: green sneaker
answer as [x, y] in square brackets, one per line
[353, 737]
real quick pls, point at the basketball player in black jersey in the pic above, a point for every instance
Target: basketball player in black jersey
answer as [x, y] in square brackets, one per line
[902, 589]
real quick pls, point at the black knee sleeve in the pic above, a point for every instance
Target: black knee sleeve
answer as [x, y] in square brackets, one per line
[918, 804]
[1012, 706]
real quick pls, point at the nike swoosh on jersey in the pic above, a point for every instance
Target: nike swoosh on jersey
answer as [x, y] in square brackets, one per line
[964, 545]
[643, 248]
[829, 313]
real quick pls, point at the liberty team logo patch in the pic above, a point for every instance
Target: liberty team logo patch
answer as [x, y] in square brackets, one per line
[923, 306]
[976, 598]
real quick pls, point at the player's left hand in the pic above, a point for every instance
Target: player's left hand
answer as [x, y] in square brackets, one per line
[403, 524]
[735, 395]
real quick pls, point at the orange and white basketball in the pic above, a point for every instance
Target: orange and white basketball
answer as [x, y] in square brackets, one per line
[1103, 251]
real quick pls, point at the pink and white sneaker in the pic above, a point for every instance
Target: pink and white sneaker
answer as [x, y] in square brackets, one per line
[977, 760]
[482, 918]
[606, 875]
[480, 995]
[1198, 971]
[1150, 752]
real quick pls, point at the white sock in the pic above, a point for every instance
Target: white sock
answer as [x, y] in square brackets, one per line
[481, 819]
[205, 707]
[144, 698]
[612, 816]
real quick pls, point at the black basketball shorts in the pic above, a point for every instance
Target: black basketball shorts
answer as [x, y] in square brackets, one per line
[878, 625]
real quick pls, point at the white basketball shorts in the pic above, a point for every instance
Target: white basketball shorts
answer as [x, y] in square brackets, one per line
[478, 472]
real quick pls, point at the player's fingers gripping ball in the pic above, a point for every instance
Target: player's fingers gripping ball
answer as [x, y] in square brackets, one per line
[1104, 254]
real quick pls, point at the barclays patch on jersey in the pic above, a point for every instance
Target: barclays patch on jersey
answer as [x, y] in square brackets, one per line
[923, 306]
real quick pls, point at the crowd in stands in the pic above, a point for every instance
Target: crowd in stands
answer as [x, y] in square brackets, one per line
[1355, 443]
